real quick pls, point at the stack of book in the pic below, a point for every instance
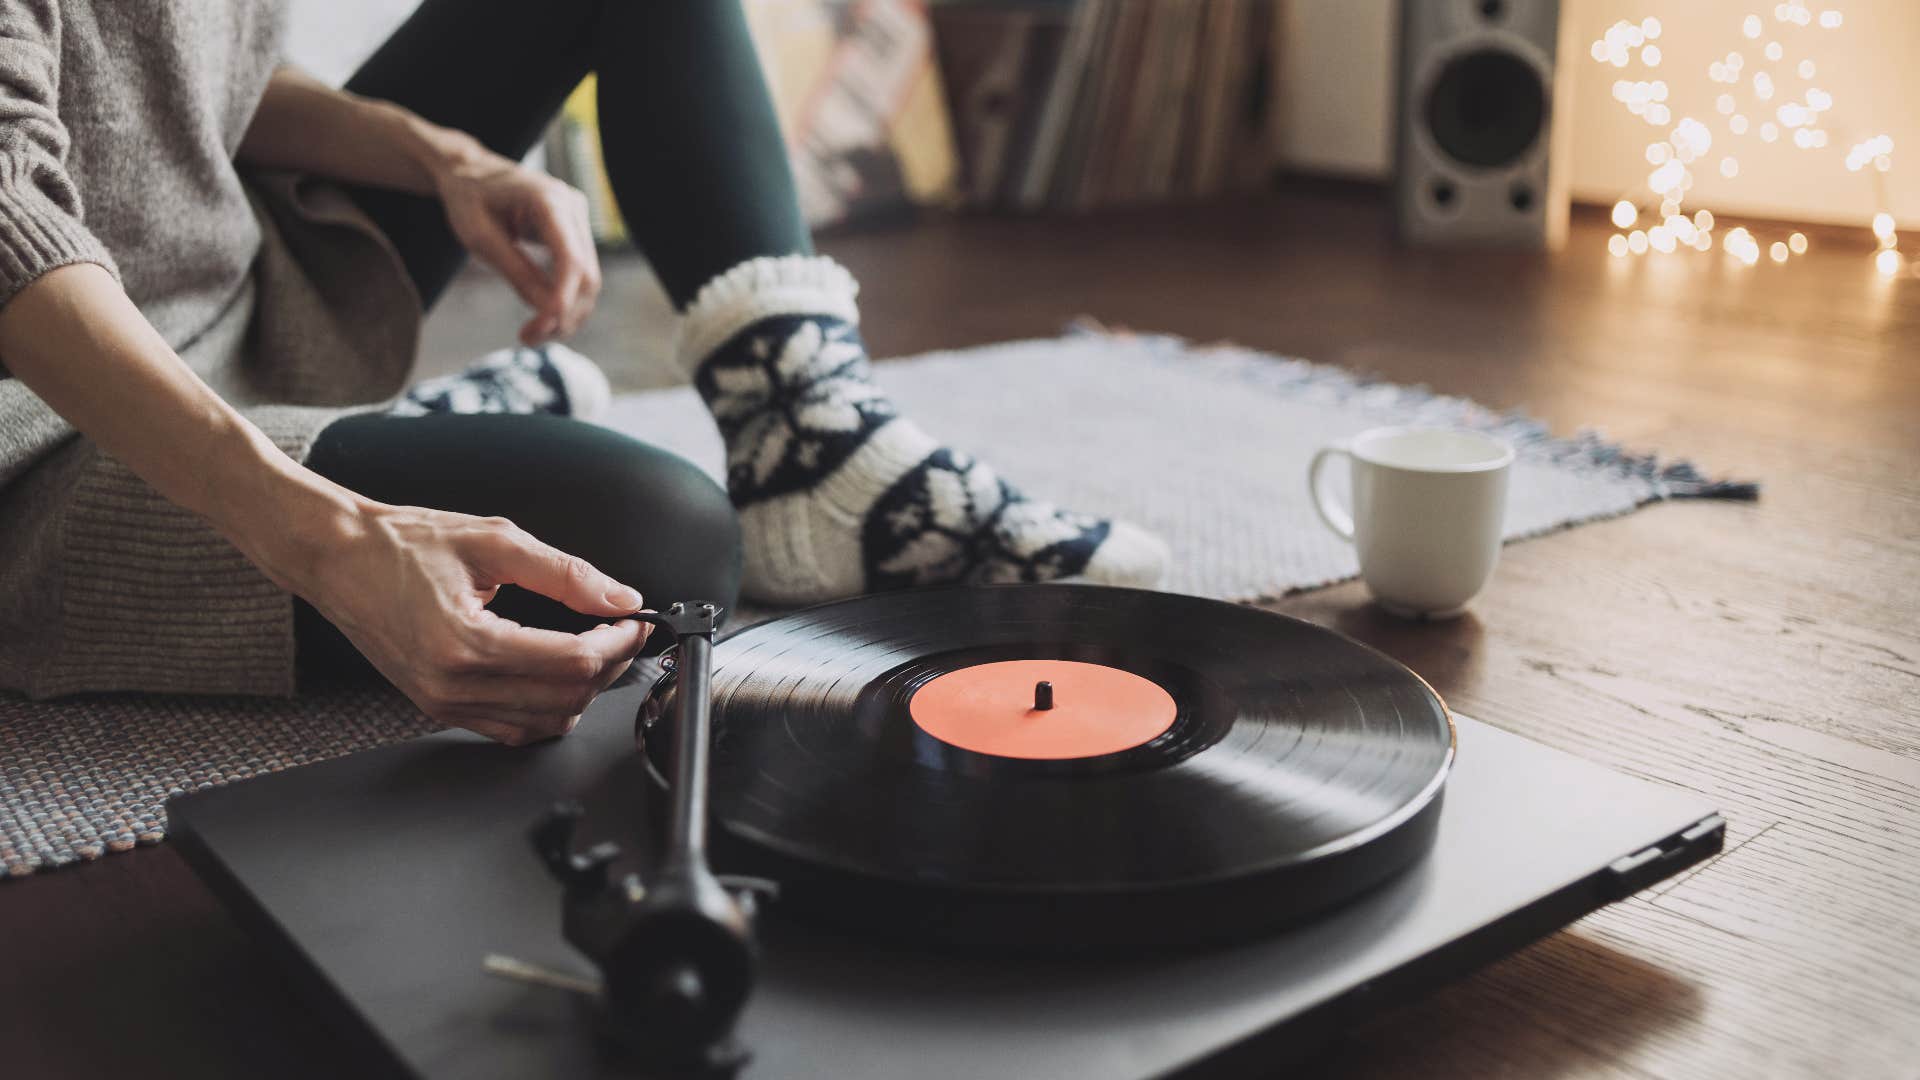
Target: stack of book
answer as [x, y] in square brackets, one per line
[1076, 105]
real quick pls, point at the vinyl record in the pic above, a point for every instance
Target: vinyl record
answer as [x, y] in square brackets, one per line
[1205, 770]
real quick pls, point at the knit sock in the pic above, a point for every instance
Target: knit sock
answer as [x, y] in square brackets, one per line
[838, 494]
[550, 379]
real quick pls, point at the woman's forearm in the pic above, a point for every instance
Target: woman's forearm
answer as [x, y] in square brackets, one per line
[75, 339]
[304, 125]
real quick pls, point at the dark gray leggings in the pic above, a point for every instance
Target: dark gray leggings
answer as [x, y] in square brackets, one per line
[696, 160]
[649, 518]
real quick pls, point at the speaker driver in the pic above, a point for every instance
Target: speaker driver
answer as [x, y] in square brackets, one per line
[1486, 109]
[1481, 135]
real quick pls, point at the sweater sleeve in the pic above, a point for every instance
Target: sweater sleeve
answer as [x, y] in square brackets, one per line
[42, 225]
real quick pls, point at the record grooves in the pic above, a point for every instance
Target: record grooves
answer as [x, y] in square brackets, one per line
[1300, 768]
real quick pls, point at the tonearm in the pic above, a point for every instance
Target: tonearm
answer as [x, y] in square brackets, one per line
[676, 951]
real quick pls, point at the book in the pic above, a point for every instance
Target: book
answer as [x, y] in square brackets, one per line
[1077, 140]
[1095, 186]
[998, 64]
[1211, 118]
[573, 155]
[1065, 103]
[1177, 90]
[860, 102]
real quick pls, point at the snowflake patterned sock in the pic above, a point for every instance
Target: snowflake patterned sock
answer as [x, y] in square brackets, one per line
[550, 379]
[838, 494]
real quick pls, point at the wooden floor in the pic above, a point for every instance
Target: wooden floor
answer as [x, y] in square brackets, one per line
[1766, 655]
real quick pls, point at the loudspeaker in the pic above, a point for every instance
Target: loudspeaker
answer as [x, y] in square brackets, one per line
[1480, 156]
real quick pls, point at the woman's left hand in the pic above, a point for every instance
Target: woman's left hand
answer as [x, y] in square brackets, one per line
[496, 207]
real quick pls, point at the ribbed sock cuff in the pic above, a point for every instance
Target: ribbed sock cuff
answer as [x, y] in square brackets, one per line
[758, 289]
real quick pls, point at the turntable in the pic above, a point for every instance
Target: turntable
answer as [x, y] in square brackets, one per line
[1006, 831]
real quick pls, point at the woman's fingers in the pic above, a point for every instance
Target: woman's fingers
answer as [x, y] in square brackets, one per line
[597, 656]
[559, 220]
[527, 699]
[519, 709]
[491, 244]
[507, 556]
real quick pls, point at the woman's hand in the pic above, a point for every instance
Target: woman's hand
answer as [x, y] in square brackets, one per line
[409, 587]
[496, 206]
[493, 204]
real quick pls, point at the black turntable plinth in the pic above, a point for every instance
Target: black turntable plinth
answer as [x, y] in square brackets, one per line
[385, 880]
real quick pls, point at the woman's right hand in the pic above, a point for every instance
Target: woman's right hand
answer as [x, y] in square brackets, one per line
[409, 587]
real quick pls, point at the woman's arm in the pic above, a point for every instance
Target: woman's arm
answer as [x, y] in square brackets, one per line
[304, 125]
[408, 586]
[493, 204]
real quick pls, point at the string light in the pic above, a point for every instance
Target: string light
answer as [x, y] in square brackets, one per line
[1741, 245]
[1872, 150]
[1688, 141]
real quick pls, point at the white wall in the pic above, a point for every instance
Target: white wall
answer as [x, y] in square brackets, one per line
[1337, 75]
[329, 38]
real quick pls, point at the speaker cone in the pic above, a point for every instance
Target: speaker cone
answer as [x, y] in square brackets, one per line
[1486, 109]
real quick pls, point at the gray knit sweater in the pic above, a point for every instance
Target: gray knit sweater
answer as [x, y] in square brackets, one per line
[118, 125]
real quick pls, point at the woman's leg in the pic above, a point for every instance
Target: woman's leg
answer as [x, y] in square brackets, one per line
[692, 143]
[838, 493]
[647, 517]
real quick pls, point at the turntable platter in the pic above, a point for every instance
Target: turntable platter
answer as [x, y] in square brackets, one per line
[1204, 770]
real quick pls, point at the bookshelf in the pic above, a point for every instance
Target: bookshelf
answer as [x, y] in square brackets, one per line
[1062, 105]
[1006, 105]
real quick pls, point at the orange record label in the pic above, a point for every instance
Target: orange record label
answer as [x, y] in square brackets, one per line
[989, 709]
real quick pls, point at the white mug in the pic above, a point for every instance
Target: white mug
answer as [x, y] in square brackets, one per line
[1428, 506]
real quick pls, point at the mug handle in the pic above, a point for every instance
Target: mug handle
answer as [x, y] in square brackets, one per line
[1337, 519]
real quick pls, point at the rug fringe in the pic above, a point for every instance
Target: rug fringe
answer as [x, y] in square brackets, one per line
[1586, 449]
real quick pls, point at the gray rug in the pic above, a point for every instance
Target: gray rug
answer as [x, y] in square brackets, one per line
[1206, 445]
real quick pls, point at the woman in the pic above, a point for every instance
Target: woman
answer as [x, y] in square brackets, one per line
[199, 329]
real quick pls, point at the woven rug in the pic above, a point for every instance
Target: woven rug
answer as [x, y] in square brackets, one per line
[1208, 446]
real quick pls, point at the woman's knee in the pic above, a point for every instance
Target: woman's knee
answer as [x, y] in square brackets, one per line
[674, 531]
